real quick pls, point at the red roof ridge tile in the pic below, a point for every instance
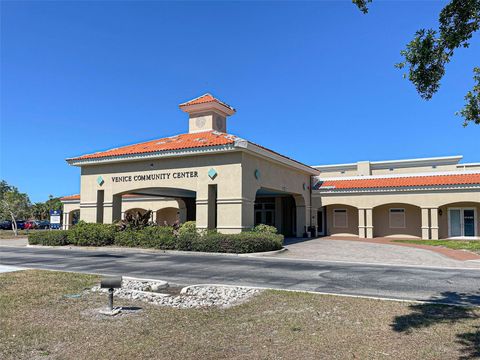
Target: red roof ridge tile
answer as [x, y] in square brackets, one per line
[203, 99]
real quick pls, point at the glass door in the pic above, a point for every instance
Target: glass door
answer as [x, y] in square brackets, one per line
[320, 227]
[468, 222]
[461, 222]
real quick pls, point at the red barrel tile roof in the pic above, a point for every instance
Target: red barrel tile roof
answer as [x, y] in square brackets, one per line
[206, 98]
[411, 181]
[70, 197]
[178, 142]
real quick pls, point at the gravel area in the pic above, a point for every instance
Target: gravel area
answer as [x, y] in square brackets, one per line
[197, 296]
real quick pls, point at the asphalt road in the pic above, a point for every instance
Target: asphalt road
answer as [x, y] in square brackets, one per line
[460, 286]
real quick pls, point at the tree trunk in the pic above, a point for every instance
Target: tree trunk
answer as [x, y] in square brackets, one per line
[14, 225]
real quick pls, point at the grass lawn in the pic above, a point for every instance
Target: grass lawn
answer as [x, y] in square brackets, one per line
[38, 322]
[471, 245]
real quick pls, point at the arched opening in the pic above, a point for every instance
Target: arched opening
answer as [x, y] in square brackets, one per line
[135, 211]
[397, 220]
[74, 217]
[459, 220]
[167, 216]
[341, 220]
[183, 201]
[276, 208]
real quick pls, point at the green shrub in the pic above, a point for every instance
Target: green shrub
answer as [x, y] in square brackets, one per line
[184, 241]
[158, 237]
[189, 227]
[48, 238]
[91, 234]
[262, 228]
[246, 242]
[162, 237]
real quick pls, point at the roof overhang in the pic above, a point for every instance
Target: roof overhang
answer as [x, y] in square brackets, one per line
[238, 145]
[208, 106]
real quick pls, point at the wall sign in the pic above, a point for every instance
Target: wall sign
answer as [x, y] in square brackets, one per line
[157, 176]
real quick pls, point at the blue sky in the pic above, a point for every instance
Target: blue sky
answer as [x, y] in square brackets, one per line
[312, 80]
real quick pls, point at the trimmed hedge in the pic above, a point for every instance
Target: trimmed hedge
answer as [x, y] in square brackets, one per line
[91, 234]
[160, 237]
[48, 238]
[245, 242]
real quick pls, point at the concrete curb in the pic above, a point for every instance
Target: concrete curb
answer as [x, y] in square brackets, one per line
[143, 250]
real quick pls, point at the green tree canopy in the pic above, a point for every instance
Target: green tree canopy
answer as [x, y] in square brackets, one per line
[14, 205]
[432, 49]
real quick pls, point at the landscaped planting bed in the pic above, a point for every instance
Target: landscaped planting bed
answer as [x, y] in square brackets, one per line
[186, 238]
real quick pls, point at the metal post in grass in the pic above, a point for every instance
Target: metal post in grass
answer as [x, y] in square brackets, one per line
[111, 283]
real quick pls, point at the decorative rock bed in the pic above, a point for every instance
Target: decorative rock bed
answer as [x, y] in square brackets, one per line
[197, 296]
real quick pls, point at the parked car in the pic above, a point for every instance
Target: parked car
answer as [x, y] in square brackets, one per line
[43, 224]
[20, 224]
[31, 224]
[6, 225]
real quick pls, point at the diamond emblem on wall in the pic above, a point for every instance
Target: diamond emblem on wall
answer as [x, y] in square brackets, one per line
[100, 180]
[212, 173]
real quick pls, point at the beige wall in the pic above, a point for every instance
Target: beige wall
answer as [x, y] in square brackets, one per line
[427, 198]
[381, 221]
[227, 165]
[236, 187]
[275, 177]
[428, 203]
[352, 221]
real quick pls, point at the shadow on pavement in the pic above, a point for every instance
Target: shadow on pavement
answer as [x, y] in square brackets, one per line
[425, 315]
[291, 241]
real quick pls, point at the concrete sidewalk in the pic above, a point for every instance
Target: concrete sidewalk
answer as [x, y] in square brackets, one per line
[370, 253]
[6, 268]
[20, 241]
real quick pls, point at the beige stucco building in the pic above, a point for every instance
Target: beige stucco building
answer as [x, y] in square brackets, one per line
[228, 183]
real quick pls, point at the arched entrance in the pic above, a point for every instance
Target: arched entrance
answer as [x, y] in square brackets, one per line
[134, 212]
[281, 210]
[167, 204]
[74, 217]
[167, 216]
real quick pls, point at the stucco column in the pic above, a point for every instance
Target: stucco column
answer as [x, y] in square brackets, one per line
[88, 211]
[66, 221]
[234, 215]
[361, 223]
[154, 216]
[369, 223]
[425, 226]
[201, 219]
[301, 220]
[434, 223]
[278, 213]
[112, 209]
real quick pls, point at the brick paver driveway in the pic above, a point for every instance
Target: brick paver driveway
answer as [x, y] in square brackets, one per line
[353, 250]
